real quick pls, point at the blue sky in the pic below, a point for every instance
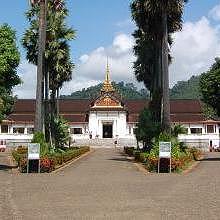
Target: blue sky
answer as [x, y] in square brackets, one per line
[96, 22]
[103, 28]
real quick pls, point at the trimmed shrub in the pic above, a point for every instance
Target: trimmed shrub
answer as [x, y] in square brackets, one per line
[50, 161]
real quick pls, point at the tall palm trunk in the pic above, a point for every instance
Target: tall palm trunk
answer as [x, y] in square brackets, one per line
[155, 104]
[40, 67]
[165, 75]
[53, 113]
[46, 107]
[57, 102]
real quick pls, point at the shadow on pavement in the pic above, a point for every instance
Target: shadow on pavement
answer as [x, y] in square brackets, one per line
[210, 159]
[120, 159]
[6, 167]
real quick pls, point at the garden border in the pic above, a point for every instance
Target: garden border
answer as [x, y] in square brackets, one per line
[70, 162]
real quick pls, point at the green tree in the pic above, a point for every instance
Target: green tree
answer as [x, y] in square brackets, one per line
[59, 66]
[156, 21]
[9, 61]
[210, 86]
[62, 135]
[125, 90]
[178, 129]
[147, 128]
[186, 89]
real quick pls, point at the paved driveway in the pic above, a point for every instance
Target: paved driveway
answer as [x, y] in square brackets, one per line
[105, 185]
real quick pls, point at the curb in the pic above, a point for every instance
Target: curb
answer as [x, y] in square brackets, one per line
[62, 167]
[141, 168]
[193, 166]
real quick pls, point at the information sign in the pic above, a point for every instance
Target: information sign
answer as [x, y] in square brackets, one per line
[165, 150]
[33, 151]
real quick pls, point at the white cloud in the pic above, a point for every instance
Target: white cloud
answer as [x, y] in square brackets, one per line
[27, 73]
[91, 68]
[215, 13]
[194, 49]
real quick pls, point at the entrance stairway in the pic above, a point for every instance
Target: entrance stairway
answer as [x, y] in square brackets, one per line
[105, 142]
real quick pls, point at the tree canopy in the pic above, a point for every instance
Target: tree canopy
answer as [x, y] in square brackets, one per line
[9, 61]
[57, 63]
[156, 21]
[57, 54]
[188, 89]
[210, 86]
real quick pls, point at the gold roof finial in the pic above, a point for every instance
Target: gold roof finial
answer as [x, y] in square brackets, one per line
[107, 86]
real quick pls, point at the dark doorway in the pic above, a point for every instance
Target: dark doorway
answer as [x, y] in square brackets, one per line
[107, 130]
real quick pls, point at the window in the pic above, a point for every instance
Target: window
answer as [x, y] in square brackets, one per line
[196, 130]
[210, 128]
[4, 129]
[18, 130]
[30, 130]
[75, 130]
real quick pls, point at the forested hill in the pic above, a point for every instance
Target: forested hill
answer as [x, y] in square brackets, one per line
[126, 90]
[186, 89]
[182, 90]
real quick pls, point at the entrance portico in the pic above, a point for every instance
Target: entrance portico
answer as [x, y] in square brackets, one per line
[107, 118]
[114, 123]
[107, 130]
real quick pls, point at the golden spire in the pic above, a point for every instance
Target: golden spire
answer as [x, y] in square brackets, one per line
[107, 86]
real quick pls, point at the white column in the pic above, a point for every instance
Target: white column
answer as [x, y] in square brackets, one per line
[25, 130]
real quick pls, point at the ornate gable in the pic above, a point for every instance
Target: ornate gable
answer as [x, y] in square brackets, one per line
[108, 98]
[107, 101]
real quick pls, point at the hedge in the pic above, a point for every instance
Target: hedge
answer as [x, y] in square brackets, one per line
[50, 161]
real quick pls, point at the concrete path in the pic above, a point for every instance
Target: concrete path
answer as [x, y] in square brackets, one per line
[105, 185]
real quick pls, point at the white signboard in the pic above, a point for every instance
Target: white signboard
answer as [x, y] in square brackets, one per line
[165, 149]
[33, 151]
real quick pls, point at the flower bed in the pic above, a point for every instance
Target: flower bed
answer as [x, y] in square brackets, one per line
[50, 161]
[180, 158]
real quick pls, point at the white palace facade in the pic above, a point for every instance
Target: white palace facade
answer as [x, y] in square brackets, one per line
[108, 118]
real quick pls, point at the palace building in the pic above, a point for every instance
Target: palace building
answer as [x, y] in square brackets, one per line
[108, 118]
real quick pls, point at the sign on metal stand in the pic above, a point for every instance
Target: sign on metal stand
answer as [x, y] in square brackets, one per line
[33, 154]
[164, 152]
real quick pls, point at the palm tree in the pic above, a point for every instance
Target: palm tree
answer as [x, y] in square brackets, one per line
[40, 64]
[56, 54]
[156, 21]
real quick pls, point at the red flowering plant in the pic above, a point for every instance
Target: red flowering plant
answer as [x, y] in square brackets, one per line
[46, 165]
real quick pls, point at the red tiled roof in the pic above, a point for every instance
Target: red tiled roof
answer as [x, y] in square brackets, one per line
[75, 118]
[188, 117]
[72, 105]
[185, 106]
[136, 106]
[75, 110]
[21, 118]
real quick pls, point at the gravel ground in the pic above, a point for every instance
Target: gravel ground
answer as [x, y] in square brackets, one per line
[105, 185]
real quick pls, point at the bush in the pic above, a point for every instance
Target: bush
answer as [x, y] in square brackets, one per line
[129, 151]
[22, 150]
[46, 165]
[40, 138]
[196, 153]
[140, 156]
[180, 155]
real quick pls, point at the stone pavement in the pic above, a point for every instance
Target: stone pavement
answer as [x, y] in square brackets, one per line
[105, 185]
